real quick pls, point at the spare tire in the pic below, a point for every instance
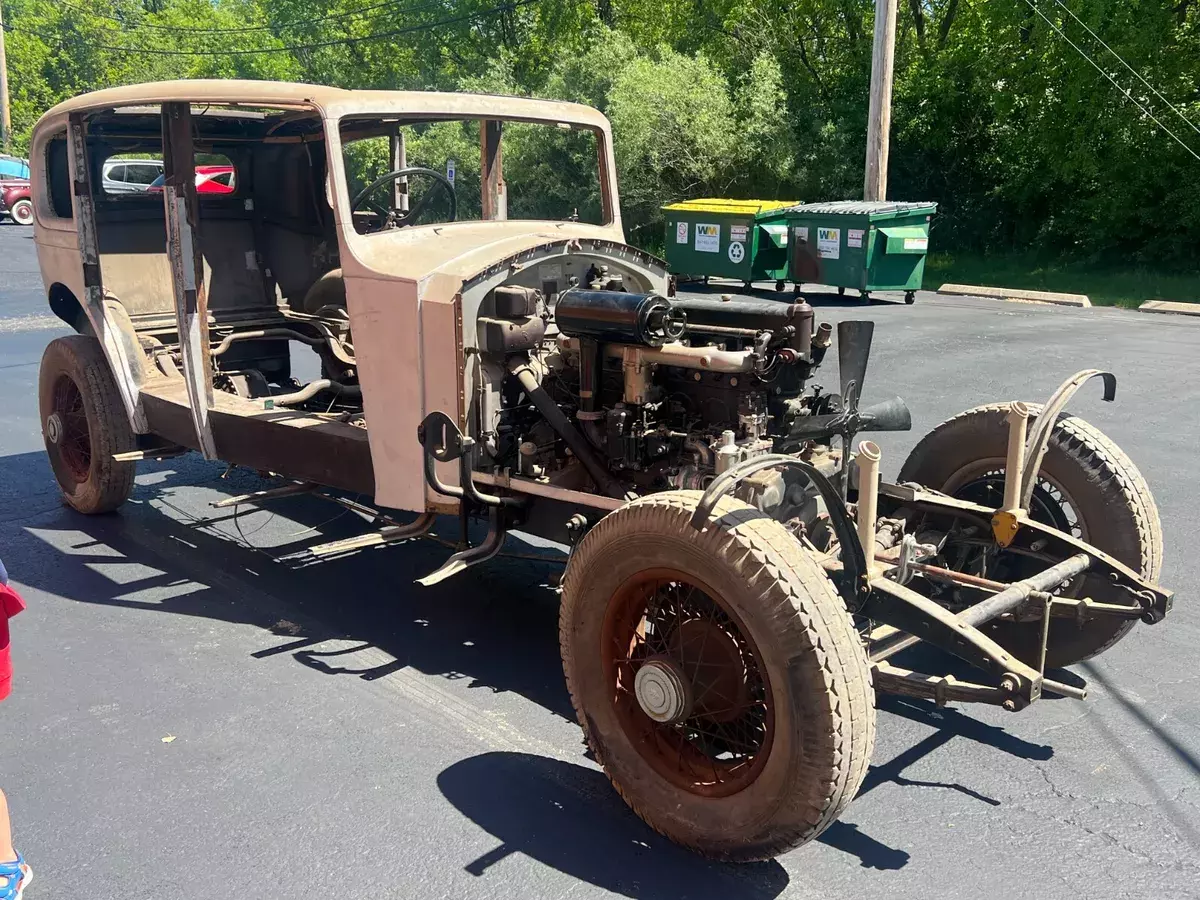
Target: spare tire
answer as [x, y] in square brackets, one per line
[1086, 486]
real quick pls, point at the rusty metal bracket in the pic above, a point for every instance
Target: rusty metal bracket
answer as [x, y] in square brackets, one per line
[941, 690]
[1005, 525]
[116, 350]
[187, 268]
[923, 620]
[854, 584]
[1039, 440]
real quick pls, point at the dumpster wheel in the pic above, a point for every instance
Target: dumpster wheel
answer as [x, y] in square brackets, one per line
[910, 297]
[717, 676]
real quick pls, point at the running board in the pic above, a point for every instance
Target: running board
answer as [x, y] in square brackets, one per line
[287, 490]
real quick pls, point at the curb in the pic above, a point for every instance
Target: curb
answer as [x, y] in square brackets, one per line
[1170, 306]
[1052, 297]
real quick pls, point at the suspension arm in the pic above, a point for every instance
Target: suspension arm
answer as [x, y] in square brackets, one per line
[923, 620]
[1035, 539]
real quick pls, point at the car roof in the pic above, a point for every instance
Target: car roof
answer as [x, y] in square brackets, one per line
[142, 162]
[333, 102]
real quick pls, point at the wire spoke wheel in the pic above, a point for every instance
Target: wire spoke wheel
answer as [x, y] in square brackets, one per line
[68, 429]
[84, 425]
[687, 683]
[1049, 504]
[717, 675]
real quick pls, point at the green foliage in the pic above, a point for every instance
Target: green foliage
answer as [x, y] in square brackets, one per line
[677, 128]
[1023, 143]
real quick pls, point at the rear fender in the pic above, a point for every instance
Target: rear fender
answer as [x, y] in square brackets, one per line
[112, 326]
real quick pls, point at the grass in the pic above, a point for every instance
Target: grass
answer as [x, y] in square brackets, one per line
[1105, 286]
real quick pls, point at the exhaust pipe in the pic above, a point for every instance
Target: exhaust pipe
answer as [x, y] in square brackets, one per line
[1018, 424]
[868, 498]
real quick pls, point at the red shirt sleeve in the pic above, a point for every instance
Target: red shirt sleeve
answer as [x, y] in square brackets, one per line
[10, 604]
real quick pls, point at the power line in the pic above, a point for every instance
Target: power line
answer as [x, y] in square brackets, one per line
[333, 42]
[1097, 37]
[1124, 92]
[153, 26]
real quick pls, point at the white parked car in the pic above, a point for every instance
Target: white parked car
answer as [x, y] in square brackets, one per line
[130, 176]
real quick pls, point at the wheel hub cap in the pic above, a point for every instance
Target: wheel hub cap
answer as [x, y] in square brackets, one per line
[662, 691]
[53, 428]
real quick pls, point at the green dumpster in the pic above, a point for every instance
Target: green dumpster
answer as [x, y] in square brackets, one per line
[742, 239]
[865, 245]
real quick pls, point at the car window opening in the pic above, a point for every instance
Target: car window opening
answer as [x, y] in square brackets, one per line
[406, 173]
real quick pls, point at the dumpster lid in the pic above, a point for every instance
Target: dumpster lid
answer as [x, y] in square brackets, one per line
[862, 207]
[777, 232]
[734, 207]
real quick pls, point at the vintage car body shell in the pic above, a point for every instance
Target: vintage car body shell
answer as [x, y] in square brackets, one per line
[403, 288]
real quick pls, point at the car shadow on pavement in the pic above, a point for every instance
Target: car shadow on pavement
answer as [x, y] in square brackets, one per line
[494, 625]
[567, 816]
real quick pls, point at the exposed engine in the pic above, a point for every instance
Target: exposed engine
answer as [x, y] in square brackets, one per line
[639, 393]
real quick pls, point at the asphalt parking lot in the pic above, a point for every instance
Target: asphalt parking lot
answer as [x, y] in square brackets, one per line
[200, 712]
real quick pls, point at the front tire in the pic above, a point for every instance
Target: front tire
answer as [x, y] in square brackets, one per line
[717, 675]
[84, 424]
[1087, 485]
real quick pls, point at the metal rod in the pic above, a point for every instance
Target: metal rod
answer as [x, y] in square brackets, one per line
[724, 329]
[1048, 601]
[265, 334]
[997, 604]
[287, 490]
[937, 572]
[313, 388]
[1063, 690]
[1018, 422]
[1018, 592]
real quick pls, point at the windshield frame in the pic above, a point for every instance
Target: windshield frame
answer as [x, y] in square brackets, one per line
[335, 138]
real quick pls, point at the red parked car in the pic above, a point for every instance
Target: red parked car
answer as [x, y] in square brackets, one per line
[209, 180]
[15, 202]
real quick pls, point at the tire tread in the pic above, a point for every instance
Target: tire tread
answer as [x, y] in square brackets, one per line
[796, 591]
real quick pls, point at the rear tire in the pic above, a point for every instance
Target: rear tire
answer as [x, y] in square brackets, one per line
[22, 212]
[84, 424]
[798, 670]
[1112, 504]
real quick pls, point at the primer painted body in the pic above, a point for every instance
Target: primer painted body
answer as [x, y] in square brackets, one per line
[412, 294]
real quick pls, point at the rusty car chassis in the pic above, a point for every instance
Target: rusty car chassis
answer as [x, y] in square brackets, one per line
[738, 584]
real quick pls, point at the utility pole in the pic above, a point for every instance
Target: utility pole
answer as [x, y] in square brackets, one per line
[879, 121]
[5, 116]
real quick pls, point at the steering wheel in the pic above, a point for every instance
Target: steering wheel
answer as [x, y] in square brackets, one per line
[395, 218]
